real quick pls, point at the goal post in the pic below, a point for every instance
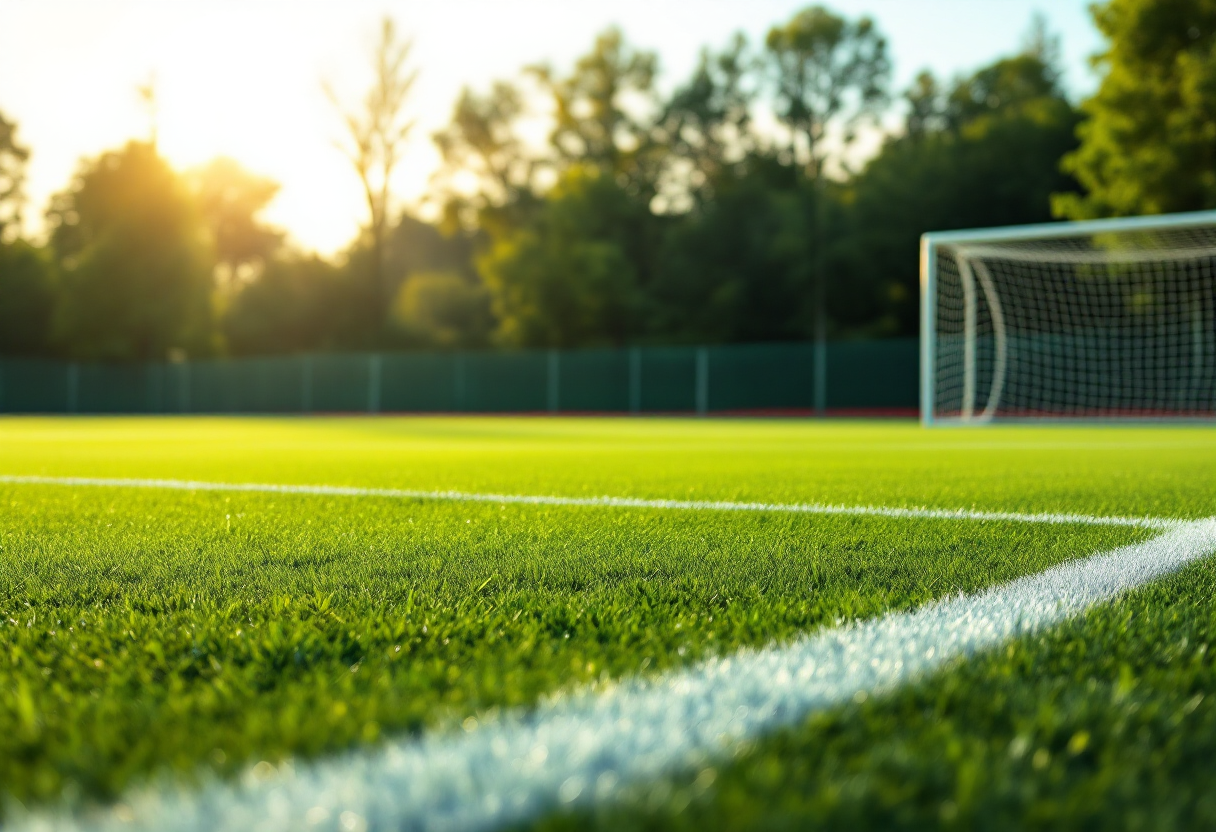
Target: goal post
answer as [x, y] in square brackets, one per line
[1100, 320]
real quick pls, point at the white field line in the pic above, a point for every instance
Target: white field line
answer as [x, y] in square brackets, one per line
[583, 747]
[1159, 523]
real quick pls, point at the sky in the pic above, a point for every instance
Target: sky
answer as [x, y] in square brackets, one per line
[243, 78]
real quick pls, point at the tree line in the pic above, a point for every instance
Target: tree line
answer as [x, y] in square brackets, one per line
[726, 210]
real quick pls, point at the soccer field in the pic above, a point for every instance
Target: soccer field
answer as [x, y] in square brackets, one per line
[477, 622]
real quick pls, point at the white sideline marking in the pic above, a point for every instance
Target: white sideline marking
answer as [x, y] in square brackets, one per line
[579, 748]
[1159, 523]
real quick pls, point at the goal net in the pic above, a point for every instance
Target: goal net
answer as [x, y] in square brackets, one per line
[1109, 319]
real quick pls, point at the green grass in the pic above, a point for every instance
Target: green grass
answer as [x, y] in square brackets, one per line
[1107, 470]
[1107, 722]
[167, 630]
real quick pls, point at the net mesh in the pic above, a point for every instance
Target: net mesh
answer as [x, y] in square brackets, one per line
[1119, 324]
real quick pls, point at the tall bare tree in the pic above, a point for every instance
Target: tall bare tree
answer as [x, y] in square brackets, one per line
[377, 131]
[150, 101]
[13, 157]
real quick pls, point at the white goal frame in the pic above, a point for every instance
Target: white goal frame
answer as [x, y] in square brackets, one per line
[975, 279]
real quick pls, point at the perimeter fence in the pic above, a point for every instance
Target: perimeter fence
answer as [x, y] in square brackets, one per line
[875, 377]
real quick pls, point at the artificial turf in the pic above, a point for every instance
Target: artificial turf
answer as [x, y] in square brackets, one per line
[170, 630]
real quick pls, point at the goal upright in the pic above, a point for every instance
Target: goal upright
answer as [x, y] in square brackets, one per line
[1100, 320]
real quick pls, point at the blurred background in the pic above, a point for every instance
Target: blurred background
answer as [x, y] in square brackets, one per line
[206, 180]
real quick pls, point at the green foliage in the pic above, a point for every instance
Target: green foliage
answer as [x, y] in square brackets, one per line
[296, 304]
[706, 125]
[416, 246]
[27, 299]
[133, 259]
[147, 630]
[575, 274]
[736, 268]
[411, 247]
[443, 309]
[1006, 87]
[642, 217]
[1148, 145]
[737, 239]
[601, 112]
[134, 253]
[828, 71]
[481, 144]
[980, 154]
[229, 199]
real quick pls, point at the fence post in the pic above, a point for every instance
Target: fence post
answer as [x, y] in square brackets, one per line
[635, 380]
[554, 379]
[183, 387]
[702, 394]
[73, 387]
[373, 383]
[306, 384]
[458, 380]
[152, 380]
[820, 378]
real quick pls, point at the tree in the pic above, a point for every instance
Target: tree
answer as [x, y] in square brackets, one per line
[926, 112]
[414, 246]
[27, 290]
[411, 247]
[828, 73]
[1148, 144]
[487, 171]
[133, 259]
[575, 274]
[230, 199]
[377, 132]
[567, 266]
[736, 267]
[706, 125]
[443, 309]
[27, 299]
[13, 158]
[297, 303]
[602, 112]
[1007, 85]
[983, 151]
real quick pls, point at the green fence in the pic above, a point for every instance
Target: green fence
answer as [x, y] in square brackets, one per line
[862, 377]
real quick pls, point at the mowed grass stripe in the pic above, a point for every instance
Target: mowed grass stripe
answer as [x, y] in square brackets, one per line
[900, 512]
[581, 748]
[1109, 470]
[157, 630]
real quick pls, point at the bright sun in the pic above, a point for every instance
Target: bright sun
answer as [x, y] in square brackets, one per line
[243, 82]
[226, 90]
